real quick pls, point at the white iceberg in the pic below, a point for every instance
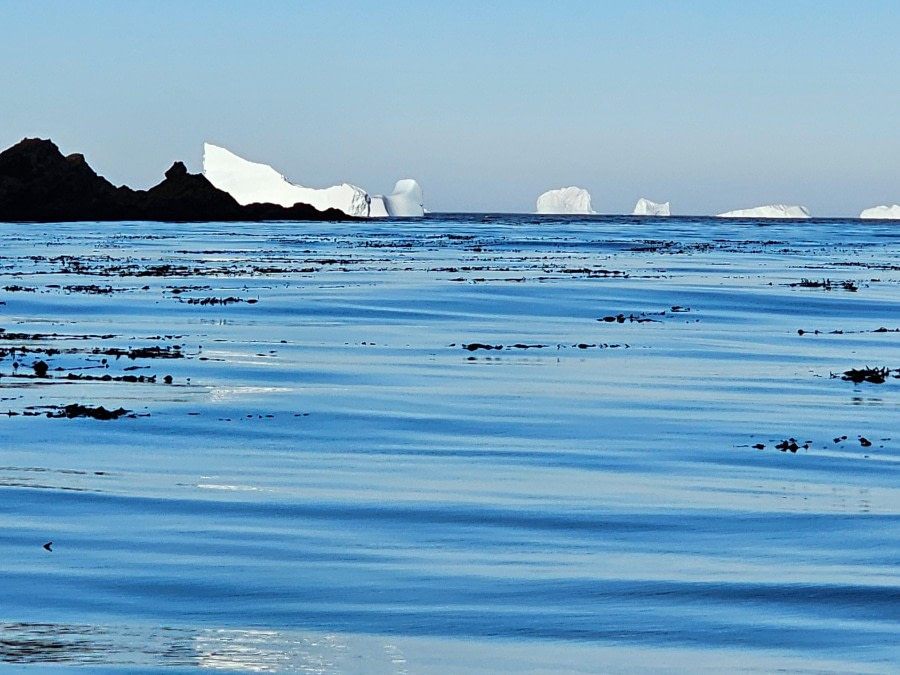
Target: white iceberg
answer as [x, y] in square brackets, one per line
[250, 182]
[405, 201]
[378, 207]
[645, 207]
[891, 212]
[568, 200]
[768, 211]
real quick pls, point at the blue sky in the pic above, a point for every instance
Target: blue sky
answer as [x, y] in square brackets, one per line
[711, 105]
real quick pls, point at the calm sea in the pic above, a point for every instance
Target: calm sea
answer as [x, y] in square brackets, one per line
[467, 443]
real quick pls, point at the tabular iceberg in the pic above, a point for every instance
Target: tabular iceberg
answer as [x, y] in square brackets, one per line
[568, 200]
[769, 211]
[645, 207]
[251, 182]
[891, 212]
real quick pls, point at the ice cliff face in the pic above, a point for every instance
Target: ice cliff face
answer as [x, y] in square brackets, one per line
[569, 200]
[769, 211]
[250, 182]
[881, 213]
[645, 207]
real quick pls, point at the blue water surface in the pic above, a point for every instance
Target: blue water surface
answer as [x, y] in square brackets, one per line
[466, 443]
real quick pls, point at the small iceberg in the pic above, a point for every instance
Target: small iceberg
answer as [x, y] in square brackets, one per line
[768, 211]
[891, 212]
[565, 201]
[645, 207]
[405, 201]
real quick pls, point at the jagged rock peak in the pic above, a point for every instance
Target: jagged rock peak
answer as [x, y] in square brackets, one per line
[177, 170]
[39, 184]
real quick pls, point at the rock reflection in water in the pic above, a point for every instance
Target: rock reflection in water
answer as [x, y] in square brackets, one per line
[50, 643]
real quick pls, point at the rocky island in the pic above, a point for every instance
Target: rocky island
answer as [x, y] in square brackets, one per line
[39, 184]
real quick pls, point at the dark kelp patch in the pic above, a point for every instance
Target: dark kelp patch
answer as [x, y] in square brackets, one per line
[792, 445]
[39, 337]
[230, 300]
[476, 346]
[871, 375]
[826, 284]
[73, 410]
[802, 331]
[151, 352]
[644, 317]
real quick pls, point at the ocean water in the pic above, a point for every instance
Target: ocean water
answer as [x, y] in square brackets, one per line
[461, 444]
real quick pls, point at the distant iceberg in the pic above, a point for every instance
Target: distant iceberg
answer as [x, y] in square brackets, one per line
[568, 200]
[250, 182]
[645, 207]
[881, 213]
[769, 211]
[405, 201]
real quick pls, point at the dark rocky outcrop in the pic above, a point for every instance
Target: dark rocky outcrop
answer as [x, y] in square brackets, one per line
[39, 184]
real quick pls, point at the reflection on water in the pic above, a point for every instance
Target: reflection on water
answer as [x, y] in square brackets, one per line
[48, 478]
[51, 643]
[860, 400]
[268, 651]
[229, 649]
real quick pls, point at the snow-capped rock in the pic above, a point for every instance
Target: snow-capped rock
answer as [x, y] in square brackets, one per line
[645, 207]
[568, 200]
[891, 212]
[769, 211]
[249, 182]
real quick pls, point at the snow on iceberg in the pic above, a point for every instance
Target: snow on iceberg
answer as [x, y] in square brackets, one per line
[891, 212]
[769, 211]
[568, 200]
[645, 207]
[249, 182]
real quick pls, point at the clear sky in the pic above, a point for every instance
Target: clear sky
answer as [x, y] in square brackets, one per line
[712, 105]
